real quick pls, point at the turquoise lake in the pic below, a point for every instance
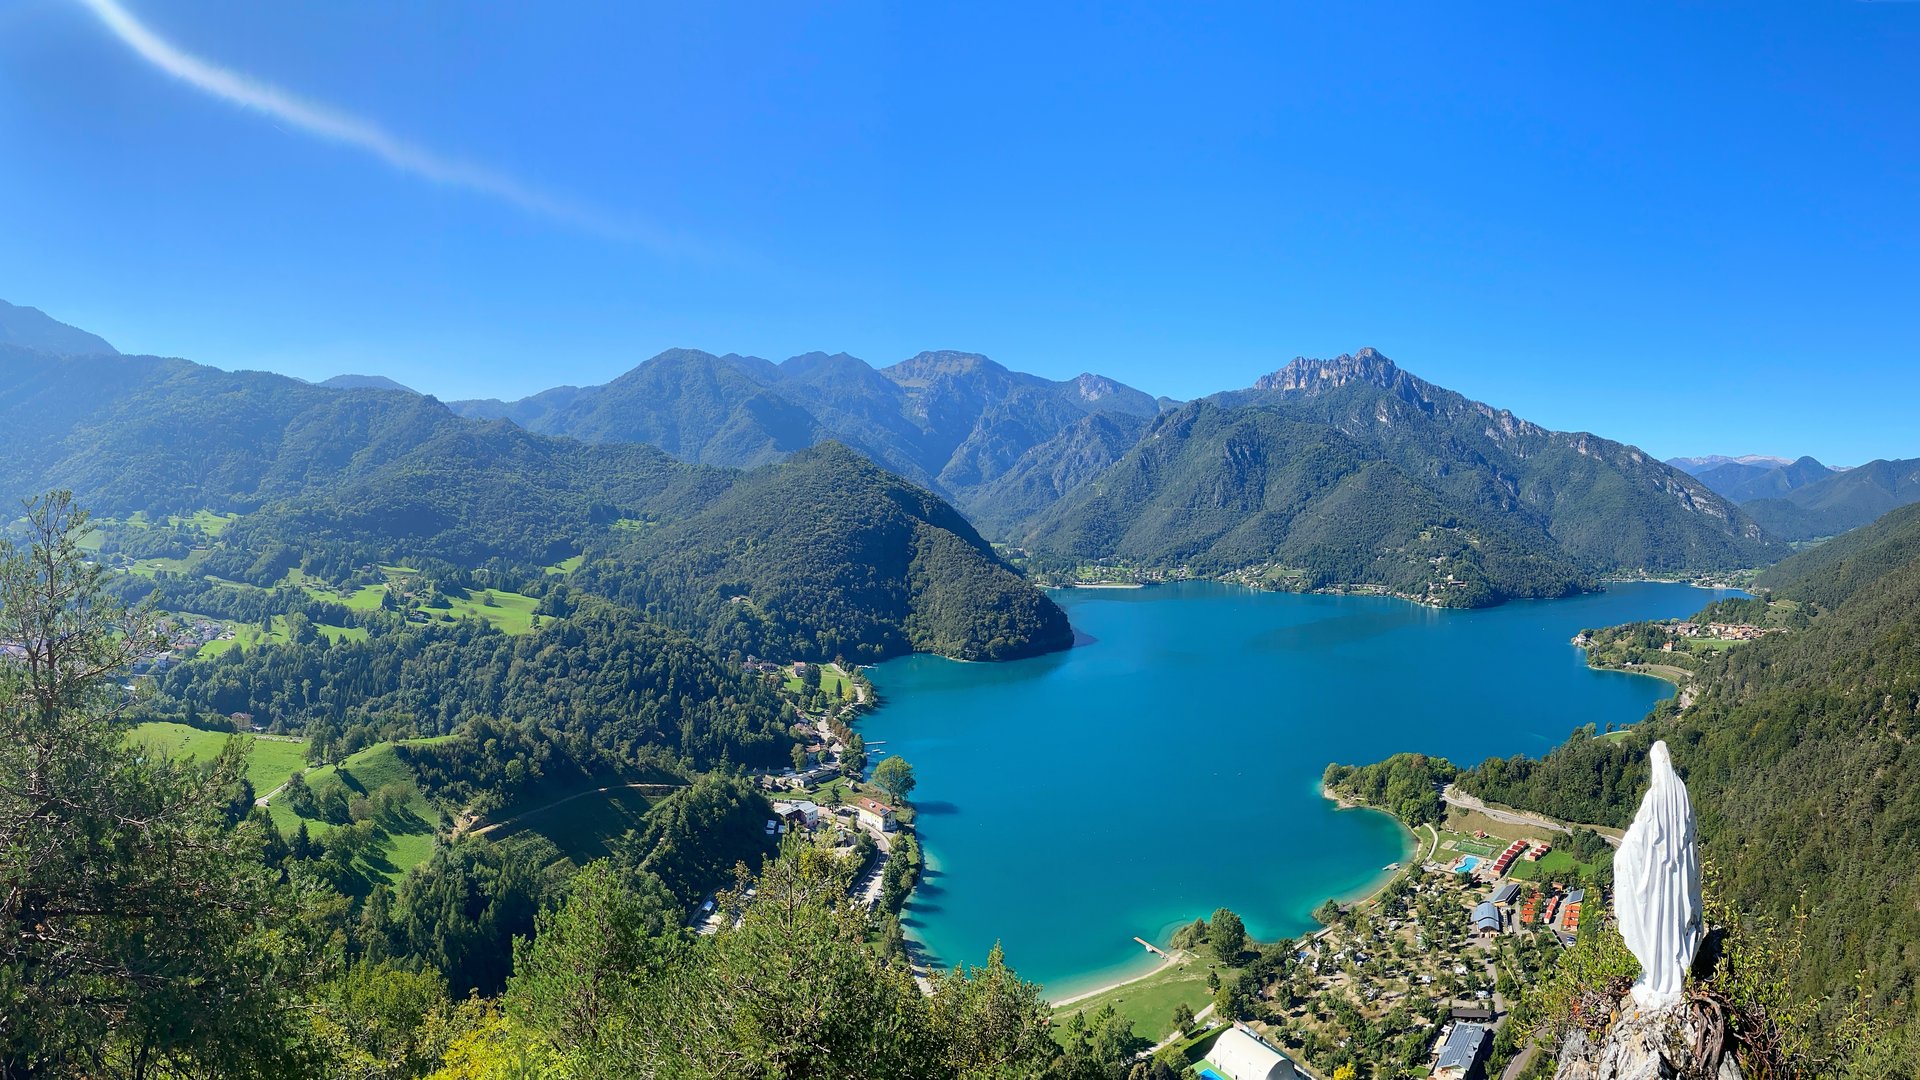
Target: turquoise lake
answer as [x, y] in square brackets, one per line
[1170, 764]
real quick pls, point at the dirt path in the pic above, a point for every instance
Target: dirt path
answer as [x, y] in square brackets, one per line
[1455, 797]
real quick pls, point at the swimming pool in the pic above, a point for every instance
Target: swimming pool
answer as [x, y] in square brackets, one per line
[1209, 1074]
[1467, 865]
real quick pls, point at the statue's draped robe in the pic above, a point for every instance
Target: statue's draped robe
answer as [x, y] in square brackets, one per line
[1656, 877]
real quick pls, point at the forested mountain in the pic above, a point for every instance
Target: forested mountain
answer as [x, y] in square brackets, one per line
[1801, 758]
[1745, 482]
[952, 421]
[825, 555]
[32, 328]
[339, 479]
[1352, 470]
[1841, 501]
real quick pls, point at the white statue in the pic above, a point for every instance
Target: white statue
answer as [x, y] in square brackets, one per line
[1656, 876]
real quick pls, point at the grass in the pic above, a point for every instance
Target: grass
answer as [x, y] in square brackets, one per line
[581, 827]
[1149, 1002]
[1558, 863]
[510, 612]
[567, 566]
[269, 763]
[406, 841]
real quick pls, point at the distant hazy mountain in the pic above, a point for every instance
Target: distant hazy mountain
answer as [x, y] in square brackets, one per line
[1352, 470]
[1743, 482]
[1840, 501]
[364, 382]
[954, 421]
[1694, 466]
[34, 329]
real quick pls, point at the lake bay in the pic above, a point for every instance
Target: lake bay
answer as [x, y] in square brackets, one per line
[1170, 764]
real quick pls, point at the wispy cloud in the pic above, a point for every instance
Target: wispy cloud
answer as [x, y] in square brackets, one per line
[336, 126]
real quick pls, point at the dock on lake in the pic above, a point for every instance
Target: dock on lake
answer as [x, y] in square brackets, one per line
[1148, 945]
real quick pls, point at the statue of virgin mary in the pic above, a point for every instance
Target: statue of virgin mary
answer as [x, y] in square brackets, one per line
[1656, 877]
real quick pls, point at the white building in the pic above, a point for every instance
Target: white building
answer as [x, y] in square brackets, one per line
[1239, 1054]
[874, 814]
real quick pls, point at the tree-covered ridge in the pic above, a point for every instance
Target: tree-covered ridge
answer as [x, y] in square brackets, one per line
[1407, 786]
[1799, 753]
[333, 482]
[602, 688]
[952, 421]
[1213, 490]
[1608, 506]
[1839, 502]
[825, 555]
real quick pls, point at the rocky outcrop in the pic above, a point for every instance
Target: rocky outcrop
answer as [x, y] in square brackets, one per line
[1678, 1042]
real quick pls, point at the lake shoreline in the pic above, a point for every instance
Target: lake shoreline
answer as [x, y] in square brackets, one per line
[1351, 898]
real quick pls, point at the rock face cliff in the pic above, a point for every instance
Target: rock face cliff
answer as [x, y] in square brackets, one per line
[1679, 1042]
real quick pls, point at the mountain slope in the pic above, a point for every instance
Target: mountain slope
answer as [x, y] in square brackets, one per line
[364, 382]
[1802, 760]
[1842, 501]
[953, 421]
[1743, 483]
[1253, 478]
[32, 328]
[1216, 490]
[825, 555]
[836, 554]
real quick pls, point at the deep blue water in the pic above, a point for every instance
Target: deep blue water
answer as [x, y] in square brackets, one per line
[1171, 763]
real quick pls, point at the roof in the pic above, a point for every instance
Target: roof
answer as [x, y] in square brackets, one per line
[875, 806]
[1486, 915]
[1576, 896]
[1464, 1045]
[1505, 893]
[1239, 1054]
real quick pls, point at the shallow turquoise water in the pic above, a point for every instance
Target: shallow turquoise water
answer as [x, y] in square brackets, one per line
[1171, 763]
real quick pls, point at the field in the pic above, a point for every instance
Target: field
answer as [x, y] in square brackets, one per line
[581, 826]
[1556, 863]
[1149, 1002]
[405, 840]
[832, 680]
[510, 612]
[269, 764]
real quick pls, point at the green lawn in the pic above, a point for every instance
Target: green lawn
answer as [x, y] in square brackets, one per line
[511, 612]
[268, 765]
[567, 566]
[1558, 862]
[1149, 1003]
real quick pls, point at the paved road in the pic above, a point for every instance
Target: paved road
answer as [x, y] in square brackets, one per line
[1520, 1062]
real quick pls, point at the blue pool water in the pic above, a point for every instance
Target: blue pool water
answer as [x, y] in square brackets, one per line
[1469, 864]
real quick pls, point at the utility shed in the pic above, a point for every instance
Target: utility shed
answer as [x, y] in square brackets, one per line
[1239, 1054]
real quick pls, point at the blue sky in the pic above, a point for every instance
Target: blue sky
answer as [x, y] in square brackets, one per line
[1694, 229]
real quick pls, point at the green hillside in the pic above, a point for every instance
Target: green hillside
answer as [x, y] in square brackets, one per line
[1800, 755]
[270, 761]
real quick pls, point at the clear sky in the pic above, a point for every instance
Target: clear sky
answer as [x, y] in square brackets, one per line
[1697, 230]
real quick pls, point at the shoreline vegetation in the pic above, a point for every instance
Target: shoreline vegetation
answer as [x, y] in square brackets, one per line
[1265, 579]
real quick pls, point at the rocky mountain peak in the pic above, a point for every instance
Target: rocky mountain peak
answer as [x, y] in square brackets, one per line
[1305, 375]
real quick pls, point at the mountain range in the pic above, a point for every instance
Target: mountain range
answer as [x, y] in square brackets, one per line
[1802, 499]
[1325, 473]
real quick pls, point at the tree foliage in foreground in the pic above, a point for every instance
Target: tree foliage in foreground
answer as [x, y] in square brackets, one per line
[141, 933]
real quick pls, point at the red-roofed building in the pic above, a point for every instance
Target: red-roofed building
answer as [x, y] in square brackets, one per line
[874, 814]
